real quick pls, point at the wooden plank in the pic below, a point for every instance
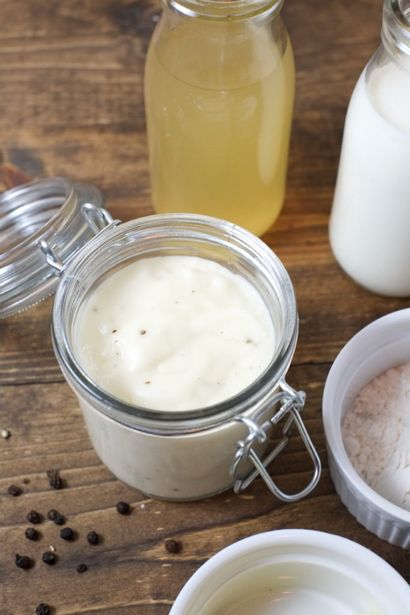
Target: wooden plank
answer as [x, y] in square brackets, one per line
[72, 104]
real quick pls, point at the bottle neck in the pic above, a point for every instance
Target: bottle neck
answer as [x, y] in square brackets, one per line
[396, 30]
[226, 9]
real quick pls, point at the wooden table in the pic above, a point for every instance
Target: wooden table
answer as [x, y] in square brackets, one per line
[71, 104]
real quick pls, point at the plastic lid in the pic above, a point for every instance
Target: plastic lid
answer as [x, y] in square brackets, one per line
[42, 225]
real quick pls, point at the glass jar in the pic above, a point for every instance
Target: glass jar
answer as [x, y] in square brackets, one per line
[183, 455]
[219, 90]
[42, 226]
[370, 219]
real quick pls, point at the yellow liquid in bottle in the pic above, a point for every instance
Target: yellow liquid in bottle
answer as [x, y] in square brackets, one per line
[219, 100]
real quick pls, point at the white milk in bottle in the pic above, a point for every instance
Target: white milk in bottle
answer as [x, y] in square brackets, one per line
[370, 220]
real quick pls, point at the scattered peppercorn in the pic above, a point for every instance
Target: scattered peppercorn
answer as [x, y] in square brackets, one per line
[26, 481]
[123, 508]
[82, 568]
[43, 609]
[173, 546]
[54, 479]
[55, 516]
[24, 562]
[49, 558]
[14, 490]
[5, 433]
[34, 517]
[93, 538]
[32, 534]
[67, 534]
[59, 519]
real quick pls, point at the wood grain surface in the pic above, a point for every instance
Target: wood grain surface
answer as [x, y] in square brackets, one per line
[71, 103]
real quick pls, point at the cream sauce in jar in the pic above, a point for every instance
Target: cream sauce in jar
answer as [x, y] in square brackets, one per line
[174, 333]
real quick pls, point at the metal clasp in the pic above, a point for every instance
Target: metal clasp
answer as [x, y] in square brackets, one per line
[52, 257]
[98, 218]
[292, 403]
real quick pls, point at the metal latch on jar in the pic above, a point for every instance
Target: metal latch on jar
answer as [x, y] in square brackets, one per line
[291, 404]
[98, 220]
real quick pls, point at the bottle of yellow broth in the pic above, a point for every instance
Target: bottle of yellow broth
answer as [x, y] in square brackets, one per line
[219, 88]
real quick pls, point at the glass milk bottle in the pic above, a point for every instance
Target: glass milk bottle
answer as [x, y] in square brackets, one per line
[370, 220]
[219, 89]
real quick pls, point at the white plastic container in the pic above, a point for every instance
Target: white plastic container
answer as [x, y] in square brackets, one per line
[370, 219]
[382, 344]
[288, 572]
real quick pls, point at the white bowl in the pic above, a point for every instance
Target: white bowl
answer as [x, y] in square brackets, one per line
[297, 571]
[382, 344]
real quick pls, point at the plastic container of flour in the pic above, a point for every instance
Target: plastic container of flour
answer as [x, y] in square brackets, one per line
[288, 572]
[57, 235]
[383, 344]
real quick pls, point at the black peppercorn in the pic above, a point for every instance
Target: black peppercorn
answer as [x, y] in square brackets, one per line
[82, 568]
[67, 534]
[59, 519]
[43, 609]
[14, 490]
[93, 538]
[49, 558]
[54, 479]
[34, 517]
[22, 561]
[55, 516]
[32, 534]
[173, 546]
[123, 508]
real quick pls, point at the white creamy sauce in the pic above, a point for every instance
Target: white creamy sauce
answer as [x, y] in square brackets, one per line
[174, 333]
[370, 221]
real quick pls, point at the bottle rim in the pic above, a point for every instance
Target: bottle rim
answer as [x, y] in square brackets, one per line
[396, 26]
[226, 9]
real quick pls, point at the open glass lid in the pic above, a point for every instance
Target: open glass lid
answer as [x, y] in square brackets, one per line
[42, 225]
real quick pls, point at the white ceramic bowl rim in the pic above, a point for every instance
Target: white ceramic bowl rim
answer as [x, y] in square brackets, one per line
[291, 538]
[358, 343]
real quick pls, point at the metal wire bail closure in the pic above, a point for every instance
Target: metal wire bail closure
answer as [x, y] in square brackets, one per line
[292, 403]
[98, 220]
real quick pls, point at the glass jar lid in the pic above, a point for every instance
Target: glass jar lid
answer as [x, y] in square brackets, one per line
[42, 225]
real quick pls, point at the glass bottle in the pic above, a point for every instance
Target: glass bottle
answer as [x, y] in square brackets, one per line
[370, 220]
[219, 89]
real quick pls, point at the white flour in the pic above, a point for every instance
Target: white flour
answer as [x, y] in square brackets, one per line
[376, 434]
